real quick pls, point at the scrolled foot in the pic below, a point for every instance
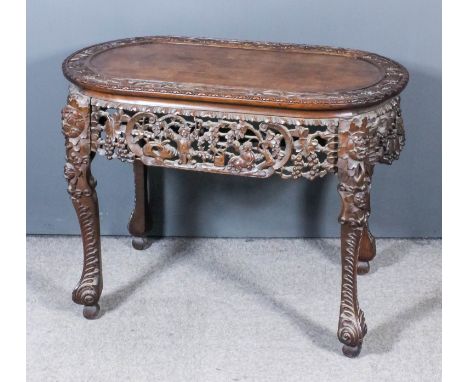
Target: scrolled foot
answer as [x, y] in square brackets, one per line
[91, 312]
[351, 351]
[140, 243]
[363, 267]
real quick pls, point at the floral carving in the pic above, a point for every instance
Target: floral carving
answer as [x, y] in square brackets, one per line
[73, 120]
[208, 142]
[75, 128]
[214, 145]
[355, 170]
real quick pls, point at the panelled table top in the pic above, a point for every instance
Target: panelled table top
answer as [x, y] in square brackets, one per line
[237, 72]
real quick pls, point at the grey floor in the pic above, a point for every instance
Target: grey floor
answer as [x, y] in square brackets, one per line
[231, 310]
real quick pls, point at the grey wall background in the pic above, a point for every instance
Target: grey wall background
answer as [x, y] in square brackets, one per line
[406, 197]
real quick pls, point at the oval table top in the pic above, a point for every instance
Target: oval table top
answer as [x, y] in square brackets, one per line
[287, 76]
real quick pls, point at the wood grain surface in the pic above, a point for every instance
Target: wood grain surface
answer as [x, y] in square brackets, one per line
[237, 72]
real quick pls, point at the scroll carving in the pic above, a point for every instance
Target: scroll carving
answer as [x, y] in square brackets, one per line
[81, 187]
[352, 325]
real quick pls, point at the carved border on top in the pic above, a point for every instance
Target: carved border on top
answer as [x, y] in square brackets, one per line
[78, 70]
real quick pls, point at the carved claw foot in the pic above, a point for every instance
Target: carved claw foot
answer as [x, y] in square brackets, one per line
[141, 243]
[363, 267]
[91, 312]
[351, 351]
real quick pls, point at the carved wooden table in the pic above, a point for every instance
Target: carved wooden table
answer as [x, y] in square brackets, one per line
[239, 108]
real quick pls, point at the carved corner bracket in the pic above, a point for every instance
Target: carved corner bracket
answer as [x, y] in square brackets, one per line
[75, 128]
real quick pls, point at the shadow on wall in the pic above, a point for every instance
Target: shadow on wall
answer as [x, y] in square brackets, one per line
[199, 199]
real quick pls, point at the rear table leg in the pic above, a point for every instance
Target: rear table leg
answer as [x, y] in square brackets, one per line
[140, 224]
[366, 251]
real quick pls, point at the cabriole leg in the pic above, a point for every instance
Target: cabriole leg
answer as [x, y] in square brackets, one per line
[81, 187]
[139, 224]
[357, 244]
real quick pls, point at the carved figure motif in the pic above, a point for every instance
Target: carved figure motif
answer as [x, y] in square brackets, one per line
[245, 160]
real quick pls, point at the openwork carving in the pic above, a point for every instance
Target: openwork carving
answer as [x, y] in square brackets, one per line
[240, 144]
[78, 69]
[81, 187]
[220, 145]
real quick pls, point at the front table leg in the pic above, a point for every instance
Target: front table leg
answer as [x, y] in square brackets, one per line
[81, 187]
[354, 172]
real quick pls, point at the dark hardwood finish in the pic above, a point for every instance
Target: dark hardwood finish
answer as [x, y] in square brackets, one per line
[81, 187]
[140, 223]
[355, 170]
[240, 72]
[235, 108]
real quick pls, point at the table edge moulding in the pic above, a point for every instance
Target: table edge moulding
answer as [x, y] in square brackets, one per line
[233, 130]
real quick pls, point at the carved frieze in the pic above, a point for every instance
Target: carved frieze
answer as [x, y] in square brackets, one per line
[226, 146]
[247, 145]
